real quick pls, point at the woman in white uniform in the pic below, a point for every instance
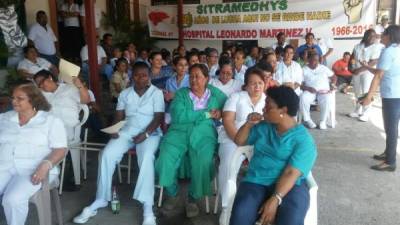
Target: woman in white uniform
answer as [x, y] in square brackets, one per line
[318, 80]
[367, 51]
[65, 100]
[235, 113]
[225, 81]
[32, 142]
[142, 106]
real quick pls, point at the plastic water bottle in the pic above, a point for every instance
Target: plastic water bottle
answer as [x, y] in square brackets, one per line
[115, 203]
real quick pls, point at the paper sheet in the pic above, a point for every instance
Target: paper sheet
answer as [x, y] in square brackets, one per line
[68, 71]
[114, 128]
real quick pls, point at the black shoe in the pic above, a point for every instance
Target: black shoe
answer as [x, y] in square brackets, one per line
[380, 156]
[384, 167]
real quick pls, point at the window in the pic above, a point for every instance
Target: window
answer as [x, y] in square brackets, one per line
[173, 2]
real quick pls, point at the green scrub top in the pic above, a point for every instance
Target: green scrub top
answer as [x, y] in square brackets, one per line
[274, 152]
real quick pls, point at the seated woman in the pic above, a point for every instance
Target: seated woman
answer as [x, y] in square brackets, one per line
[119, 80]
[234, 115]
[317, 85]
[142, 106]
[191, 133]
[32, 64]
[274, 189]
[179, 80]
[268, 74]
[64, 98]
[32, 142]
[159, 74]
[225, 81]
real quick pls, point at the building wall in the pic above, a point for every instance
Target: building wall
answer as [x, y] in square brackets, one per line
[32, 6]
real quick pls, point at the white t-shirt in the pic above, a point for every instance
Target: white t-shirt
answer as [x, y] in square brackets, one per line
[139, 110]
[97, 14]
[362, 53]
[212, 71]
[241, 104]
[379, 29]
[33, 68]
[100, 54]
[317, 78]
[24, 147]
[65, 103]
[43, 39]
[325, 44]
[231, 87]
[276, 45]
[292, 73]
[239, 75]
[71, 21]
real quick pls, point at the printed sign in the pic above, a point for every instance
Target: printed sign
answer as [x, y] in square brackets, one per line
[264, 19]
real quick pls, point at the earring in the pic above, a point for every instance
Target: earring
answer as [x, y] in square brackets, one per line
[281, 115]
[34, 109]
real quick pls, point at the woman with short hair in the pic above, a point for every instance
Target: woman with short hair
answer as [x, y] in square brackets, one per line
[32, 142]
[274, 189]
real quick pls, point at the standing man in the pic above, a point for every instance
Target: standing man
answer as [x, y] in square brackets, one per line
[326, 46]
[281, 41]
[72, 38]
[97, 17]
[379, 28]
[42, 37]
[107, 45]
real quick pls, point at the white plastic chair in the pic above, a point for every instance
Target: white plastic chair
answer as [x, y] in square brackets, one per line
[312, 213]
[42, 200]
[73, 147]
[332, 111]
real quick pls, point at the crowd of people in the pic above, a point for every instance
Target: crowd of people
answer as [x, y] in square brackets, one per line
[211, 103]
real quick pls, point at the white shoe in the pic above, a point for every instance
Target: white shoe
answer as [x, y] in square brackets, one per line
[223, 217]
[310, 124]
[149, 220]
[353, 115]
[322, 126]
[363, 118]
[85, 215]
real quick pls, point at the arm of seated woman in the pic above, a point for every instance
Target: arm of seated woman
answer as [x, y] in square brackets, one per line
[228, 120]
[47, 164]
[243, 133]
[285, 183]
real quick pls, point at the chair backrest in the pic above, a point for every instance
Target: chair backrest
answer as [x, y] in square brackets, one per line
[77, 130]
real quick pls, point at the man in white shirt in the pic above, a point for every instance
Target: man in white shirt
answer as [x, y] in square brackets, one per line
[105, 69]
[42, 37]
[281, 41]
[326, 46]
[289, 72]
[72, 39]
[97, 17]
[379, 28]
[316, 86]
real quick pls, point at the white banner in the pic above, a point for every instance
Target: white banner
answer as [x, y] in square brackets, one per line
[264, 19]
